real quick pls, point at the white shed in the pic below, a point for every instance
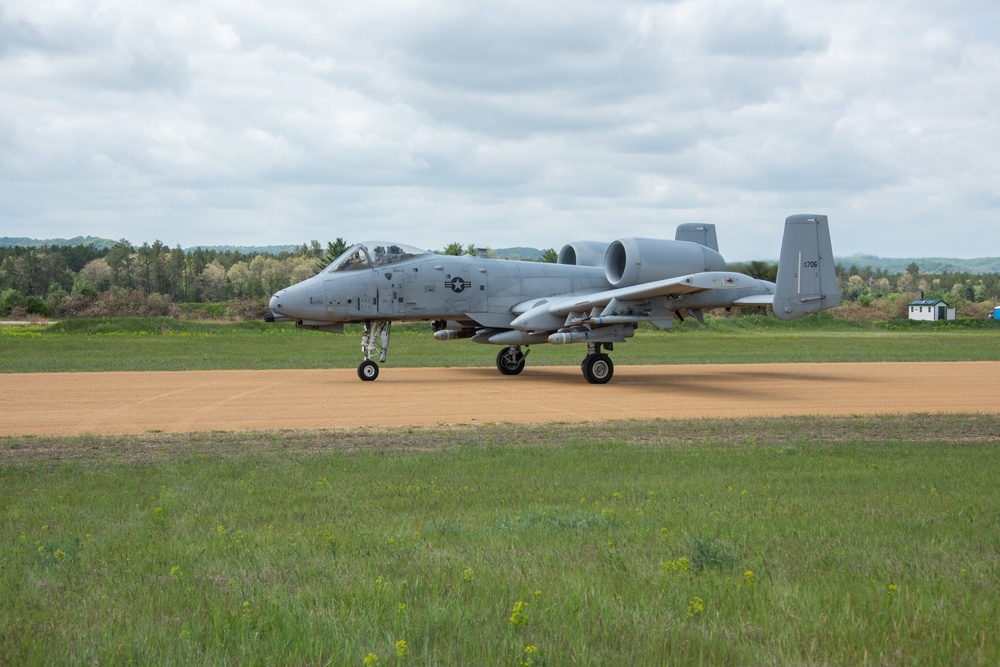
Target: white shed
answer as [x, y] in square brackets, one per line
[930, 310]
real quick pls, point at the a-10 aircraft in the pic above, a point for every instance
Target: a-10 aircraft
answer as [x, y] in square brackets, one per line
[597, 293]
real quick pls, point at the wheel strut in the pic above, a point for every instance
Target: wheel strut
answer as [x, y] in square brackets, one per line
[375, 340]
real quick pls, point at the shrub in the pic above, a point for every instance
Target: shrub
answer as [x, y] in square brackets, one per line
[70, 305]
[976, 311]
[116, 302]
[36, 306]
[9, 300]
[246, 309]
[81, 286]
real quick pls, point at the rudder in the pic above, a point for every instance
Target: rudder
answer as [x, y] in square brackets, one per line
[807, 277]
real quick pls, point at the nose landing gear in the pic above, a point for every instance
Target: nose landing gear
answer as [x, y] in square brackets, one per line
[375, 340]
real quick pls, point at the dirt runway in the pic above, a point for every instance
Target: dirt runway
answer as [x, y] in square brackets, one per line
[139, 402]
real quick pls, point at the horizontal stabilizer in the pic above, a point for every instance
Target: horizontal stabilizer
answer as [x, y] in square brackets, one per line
[702, 234]
[755, 300]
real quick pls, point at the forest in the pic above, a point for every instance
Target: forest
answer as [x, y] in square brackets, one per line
[155, 280]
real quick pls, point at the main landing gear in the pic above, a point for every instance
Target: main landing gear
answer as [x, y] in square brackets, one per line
[597, 367]
[375, 340]
[510, 360]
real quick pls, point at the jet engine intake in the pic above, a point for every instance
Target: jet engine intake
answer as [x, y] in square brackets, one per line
[631, 261]
[583, 253]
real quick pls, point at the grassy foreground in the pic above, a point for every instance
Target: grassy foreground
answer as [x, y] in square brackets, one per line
[135, 344]
[868, 541]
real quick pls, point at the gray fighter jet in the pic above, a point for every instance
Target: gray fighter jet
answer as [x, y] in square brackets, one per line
[596, 294]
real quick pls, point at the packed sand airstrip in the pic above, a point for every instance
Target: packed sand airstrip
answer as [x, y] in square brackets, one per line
[67, 404]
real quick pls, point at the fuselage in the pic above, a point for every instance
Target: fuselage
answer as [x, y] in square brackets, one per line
[432, 287]
[391, 282]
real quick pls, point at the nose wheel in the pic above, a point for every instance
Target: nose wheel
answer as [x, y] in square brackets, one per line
[367, 370]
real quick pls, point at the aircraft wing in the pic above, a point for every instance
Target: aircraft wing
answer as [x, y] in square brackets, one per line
[696, 282]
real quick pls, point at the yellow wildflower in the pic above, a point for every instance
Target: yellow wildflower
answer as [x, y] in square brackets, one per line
[520, 613]
[695, 607]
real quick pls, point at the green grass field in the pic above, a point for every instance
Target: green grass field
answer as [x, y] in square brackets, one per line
[161, 344]
[797, 541]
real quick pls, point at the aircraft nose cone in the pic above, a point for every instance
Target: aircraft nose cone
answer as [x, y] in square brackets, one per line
[275, 303]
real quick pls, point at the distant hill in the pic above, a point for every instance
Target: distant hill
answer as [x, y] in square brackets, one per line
[926, 264]
[99, 243]
[248, 249]
[890, 264]
[518, 253]
[104, 244]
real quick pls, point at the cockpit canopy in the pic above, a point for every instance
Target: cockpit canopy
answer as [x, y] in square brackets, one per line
[373, 255]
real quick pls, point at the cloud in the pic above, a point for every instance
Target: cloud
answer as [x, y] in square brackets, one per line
[17, 34]
[513, 124]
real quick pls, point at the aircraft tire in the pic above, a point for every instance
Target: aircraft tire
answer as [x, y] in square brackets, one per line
[367, 370]
[508, 367]
[598, 368]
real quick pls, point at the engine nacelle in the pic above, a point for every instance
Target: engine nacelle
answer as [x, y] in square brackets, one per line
[583, 253]
[631, 261]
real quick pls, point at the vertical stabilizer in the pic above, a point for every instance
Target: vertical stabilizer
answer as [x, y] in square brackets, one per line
[702, 234]
[807, 278]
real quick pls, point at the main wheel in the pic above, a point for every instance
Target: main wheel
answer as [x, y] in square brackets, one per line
[510, 361]
[598, 368]
[367, 370]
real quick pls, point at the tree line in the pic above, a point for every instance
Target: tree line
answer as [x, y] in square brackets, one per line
[154, 279]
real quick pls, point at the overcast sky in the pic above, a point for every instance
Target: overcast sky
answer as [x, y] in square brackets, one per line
[518, 123]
